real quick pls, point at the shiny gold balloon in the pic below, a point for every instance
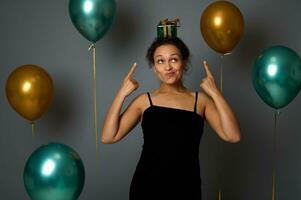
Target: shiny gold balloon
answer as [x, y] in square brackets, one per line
[29, 90]
[222, 26]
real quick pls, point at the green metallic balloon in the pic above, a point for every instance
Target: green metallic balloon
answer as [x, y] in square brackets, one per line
[92, 18]
[277, 76]
[54, 172]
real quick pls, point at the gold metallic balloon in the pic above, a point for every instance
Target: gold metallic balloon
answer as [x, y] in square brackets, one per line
[29, 90]
[222, 26]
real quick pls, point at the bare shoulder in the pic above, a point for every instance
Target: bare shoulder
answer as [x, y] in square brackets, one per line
[141, 101]
[203, 96]
[203, 100]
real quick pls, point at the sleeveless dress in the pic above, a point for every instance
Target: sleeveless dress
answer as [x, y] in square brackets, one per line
[168, 167]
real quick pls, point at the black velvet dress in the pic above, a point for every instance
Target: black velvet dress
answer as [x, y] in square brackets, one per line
[169, 164]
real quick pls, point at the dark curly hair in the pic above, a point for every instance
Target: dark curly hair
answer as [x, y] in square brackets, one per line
[184, 51]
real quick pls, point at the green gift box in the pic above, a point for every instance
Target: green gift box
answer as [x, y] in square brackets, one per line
[167, 29]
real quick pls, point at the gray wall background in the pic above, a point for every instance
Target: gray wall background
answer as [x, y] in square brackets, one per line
[41, 33]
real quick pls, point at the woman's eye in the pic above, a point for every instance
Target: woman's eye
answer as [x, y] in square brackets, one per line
[160, 61]
[174, 60]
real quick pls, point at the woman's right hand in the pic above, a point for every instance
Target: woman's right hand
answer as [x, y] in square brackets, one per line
[129, 84]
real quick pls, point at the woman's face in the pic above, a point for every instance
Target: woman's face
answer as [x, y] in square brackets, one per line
[168, 63]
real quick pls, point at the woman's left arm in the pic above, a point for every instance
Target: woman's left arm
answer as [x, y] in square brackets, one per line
[218, 112]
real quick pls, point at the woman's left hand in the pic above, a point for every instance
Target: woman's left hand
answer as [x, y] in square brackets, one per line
[208, 83]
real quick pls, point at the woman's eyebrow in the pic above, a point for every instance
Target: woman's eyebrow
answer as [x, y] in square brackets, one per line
[174, 54]
[158, 56]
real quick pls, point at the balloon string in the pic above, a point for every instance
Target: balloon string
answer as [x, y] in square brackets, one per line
[32, 129]
[221, 74]
[92, 46]
[221, 89]
[219, 148]
[277, 112]
[219, 172]
[273, 186]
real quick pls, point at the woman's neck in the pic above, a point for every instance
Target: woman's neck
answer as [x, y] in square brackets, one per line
[172, 88]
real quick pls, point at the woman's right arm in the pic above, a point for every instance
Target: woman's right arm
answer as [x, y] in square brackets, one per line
[116, 126]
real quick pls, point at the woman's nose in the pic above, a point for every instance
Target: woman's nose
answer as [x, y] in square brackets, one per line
[168, 66]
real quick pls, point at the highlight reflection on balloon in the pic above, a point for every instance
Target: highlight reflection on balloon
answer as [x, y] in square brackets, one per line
[29, 90]
[54, 171]
[222, 26]
[277, 76]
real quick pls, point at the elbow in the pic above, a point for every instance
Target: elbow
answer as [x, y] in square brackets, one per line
[108, 141]
[106, 138]
[235, 138]
[232, 137]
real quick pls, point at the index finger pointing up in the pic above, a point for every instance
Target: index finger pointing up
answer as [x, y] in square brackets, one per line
[208, 72]
[132, 70]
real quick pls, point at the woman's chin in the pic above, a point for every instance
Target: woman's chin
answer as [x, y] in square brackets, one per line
[170, 81]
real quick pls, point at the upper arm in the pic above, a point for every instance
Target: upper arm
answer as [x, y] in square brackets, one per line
[212, 117]
[129, 118]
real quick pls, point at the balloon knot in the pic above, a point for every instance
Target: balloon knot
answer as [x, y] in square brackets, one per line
[228, 53]
[91, 46]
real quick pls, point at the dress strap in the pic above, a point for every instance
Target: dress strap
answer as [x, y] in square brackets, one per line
[149, 98]
[196, 100]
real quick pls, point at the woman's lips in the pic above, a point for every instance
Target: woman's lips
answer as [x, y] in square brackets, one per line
[170, 74]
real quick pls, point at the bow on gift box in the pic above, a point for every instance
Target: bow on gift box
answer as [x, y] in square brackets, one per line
[168, 28]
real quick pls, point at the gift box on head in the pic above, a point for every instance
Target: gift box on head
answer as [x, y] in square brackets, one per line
[167, 29]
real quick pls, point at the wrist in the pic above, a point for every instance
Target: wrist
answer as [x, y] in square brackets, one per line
[121, 94]
[216, 94]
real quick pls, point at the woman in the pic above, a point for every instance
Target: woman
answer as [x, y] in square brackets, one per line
[172, 119]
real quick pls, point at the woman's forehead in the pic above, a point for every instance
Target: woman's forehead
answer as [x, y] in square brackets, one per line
[166, 49]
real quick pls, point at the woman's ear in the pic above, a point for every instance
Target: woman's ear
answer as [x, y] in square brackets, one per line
[154, 69]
